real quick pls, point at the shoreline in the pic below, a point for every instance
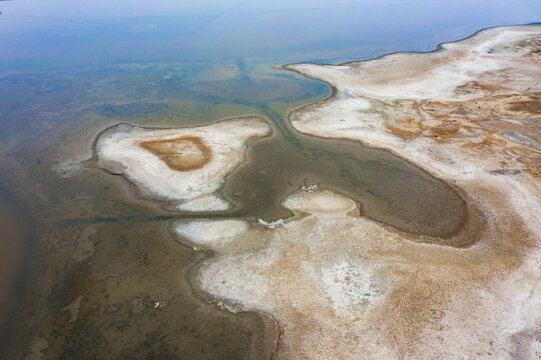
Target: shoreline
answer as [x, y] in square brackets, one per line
[487, 197]
[114, 272]
[486, 220]
[264, 339]
[162, 205]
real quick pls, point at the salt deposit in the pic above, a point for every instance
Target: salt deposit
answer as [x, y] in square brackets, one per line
[183, 166]
[342, 286]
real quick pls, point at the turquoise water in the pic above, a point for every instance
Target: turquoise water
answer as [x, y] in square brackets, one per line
[64, 76]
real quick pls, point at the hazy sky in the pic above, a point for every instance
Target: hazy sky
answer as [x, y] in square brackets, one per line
[99, 9]
[133, 8]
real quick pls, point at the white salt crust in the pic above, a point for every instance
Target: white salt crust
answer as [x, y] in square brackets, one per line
[211, 233]
[205, 203]
[342, 286]
[118, 151]
[320, 202]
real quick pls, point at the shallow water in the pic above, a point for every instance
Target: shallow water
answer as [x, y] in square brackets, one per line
[15, 232]
[108, 258]
[389, 189]
[103, 258]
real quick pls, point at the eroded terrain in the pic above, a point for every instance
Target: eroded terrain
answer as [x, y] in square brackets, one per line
[342, 286]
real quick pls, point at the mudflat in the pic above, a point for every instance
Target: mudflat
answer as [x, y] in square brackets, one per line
[341, 285]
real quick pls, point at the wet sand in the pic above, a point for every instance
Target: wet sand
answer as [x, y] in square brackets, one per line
[389, 190]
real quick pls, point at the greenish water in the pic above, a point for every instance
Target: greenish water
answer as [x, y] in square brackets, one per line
[99, 244]
[95, 241]
[97, 259]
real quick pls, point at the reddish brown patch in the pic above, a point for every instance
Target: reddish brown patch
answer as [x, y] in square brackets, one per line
[404, 127]
[535, 43]
[401, 132]
[532, 106]
[445, 130]
[181, 154]
[476, 87]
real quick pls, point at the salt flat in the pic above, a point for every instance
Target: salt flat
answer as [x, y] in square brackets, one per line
[340, 285]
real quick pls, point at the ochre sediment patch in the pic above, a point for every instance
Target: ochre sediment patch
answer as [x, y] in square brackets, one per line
[342, 286]
[181, 154]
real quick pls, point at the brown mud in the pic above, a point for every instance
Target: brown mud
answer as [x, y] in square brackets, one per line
[182, 154]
